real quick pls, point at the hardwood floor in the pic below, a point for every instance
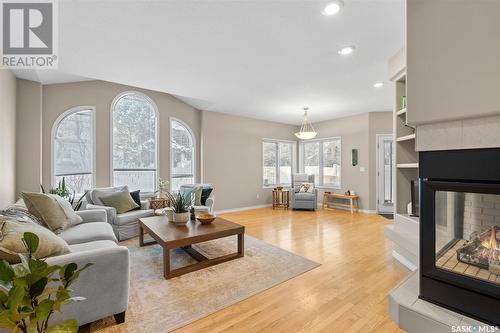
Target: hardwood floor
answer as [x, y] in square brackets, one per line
[348, 293]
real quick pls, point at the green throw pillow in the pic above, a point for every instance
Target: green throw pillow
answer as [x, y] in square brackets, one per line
[121, 201]
[197, 195]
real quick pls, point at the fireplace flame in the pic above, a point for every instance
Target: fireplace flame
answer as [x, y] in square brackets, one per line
[491, 242]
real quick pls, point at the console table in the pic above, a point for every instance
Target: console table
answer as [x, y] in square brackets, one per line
[353, 201]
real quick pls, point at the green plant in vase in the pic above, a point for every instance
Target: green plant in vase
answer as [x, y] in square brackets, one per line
[162, 186]
[30, 292]
[180, 203]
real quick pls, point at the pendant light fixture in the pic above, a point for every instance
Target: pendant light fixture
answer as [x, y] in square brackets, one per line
[306, 130]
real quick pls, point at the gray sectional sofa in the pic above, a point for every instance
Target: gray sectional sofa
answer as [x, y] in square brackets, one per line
[105, 284]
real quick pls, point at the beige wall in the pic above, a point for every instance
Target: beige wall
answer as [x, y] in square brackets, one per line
[453, 59]
[58, 98]
[29, 136]
[229, 147]
[358, 132]
[7, 138]
[232, 157]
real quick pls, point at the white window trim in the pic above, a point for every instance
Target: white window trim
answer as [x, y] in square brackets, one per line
[157, 136]
[301, 161]
[294, 160]
[53, 134]
[183, 123]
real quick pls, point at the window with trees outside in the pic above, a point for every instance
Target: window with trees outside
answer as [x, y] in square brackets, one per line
[73, 149]
[182, 155]
[134, 142]
[278, 162]
[322, 158]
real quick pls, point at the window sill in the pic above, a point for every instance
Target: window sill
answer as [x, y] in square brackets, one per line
[273, 186]
[328, 187]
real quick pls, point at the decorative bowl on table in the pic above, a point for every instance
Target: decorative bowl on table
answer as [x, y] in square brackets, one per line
[205, 218]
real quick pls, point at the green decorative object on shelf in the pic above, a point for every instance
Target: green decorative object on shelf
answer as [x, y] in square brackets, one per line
[354, 157]
[403, 102]
[33, 290]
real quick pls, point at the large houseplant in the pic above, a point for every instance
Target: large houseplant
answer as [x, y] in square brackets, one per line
[180, 203]
[30, 292]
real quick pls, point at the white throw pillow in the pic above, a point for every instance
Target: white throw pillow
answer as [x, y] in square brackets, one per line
[306, 188]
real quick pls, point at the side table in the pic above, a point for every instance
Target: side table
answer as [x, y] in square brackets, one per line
[280, 199]
[158, 203]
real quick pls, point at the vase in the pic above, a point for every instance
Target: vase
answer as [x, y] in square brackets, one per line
[181, 218]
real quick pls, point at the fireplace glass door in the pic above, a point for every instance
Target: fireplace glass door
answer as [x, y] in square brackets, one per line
[467, 234]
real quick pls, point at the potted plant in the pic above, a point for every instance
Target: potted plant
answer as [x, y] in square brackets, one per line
[162, 187]
[64, 192]
[180, 204]
[30, 292]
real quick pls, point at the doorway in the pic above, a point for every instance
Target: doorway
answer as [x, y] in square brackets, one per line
[385, 169]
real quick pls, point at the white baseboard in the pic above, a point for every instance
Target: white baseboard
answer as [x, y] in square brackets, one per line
[405, 262]
[239, 209]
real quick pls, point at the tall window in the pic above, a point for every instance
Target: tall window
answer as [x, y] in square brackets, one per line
[134, 144]
[73, 149]
[279, 162]
[182, 158]
[322, 158]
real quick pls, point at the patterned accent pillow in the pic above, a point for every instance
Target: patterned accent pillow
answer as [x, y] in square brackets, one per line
[306, 188]
[21, 214]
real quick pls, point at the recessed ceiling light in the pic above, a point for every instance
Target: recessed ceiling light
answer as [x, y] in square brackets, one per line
[346, 50]
[378, 85]
[333, 8]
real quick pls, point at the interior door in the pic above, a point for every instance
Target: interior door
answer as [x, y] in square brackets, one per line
[385, 169]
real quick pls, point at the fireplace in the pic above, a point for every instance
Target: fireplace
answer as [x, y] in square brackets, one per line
[460, 231]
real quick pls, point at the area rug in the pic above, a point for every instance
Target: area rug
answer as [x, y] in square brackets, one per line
[159, 305]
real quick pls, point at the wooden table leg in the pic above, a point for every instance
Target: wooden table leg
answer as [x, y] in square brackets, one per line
[166, 262]
[141, 235]
[352, 206]
[241, 244]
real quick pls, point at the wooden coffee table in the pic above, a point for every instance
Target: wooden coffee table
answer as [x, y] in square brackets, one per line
[170, 236]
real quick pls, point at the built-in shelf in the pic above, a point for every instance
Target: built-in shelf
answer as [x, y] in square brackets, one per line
[407, 165]
[406, 137]
[400, 112]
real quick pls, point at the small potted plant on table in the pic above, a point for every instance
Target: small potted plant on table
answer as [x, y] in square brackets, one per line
[180, 204]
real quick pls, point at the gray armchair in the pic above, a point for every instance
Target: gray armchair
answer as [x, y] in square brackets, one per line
[125, 225]
[209, 204]
[300, 200]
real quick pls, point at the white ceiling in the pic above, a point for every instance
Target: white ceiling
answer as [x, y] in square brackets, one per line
[256, 58]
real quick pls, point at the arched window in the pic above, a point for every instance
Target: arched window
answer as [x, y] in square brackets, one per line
[182, 154]
[73, 149]
[134, 142]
